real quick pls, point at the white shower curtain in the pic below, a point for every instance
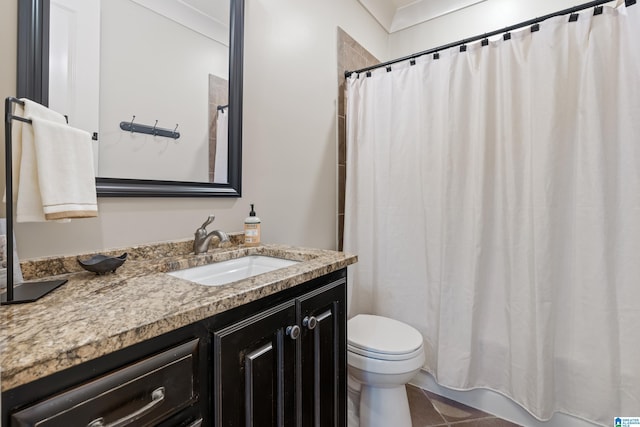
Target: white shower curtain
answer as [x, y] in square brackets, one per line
[493, 199]
[220, 171]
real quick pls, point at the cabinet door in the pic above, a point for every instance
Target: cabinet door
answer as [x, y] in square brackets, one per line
[323, 356]
[254, 370]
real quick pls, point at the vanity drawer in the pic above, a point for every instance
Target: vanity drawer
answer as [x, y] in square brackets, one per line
[140, 394]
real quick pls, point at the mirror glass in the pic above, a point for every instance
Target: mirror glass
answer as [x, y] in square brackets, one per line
[151, 79]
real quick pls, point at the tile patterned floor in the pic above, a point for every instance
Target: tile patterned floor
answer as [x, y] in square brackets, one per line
[430, 410]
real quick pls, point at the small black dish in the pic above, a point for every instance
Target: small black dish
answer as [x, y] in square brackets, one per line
[101, 264]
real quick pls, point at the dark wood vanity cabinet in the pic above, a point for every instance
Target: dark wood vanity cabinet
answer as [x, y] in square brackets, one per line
[284, 366]
[278, 361]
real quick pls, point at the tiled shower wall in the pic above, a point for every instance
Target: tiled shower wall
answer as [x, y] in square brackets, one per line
[351, 56]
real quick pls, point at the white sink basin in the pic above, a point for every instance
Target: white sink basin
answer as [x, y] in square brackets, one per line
[220, 273]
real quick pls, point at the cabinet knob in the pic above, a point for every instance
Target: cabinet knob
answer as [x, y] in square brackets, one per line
[310, 322]
[293, 331]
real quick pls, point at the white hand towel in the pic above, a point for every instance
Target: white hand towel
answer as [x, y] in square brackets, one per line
[66, 177]
[25, 169]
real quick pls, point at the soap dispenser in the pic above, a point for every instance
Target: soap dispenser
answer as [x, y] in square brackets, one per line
[252, 229]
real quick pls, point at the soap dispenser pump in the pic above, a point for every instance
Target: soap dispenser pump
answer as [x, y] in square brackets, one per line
[252, 229]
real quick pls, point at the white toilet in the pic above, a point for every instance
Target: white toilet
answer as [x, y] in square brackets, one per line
[383, 355]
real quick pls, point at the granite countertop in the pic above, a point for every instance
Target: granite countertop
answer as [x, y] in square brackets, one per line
[93, 315]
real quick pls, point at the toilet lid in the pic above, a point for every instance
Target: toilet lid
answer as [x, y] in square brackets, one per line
[377, 334]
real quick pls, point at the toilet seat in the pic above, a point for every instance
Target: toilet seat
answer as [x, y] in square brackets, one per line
[382, 338]
[384, 356]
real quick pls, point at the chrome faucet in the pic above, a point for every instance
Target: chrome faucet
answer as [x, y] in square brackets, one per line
[202, 239]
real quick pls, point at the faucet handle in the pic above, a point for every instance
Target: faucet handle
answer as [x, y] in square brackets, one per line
[208, 221]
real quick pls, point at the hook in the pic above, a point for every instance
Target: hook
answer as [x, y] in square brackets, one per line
[154, 128]
[131, 124]
[175, 136]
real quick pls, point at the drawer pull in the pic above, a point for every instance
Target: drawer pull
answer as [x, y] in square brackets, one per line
[157, 397]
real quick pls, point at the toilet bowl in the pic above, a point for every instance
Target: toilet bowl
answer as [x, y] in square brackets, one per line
[383, 355]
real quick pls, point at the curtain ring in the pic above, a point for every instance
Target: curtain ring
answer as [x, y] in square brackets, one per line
[131, 124]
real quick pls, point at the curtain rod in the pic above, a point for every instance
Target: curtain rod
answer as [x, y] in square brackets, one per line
[532, 22]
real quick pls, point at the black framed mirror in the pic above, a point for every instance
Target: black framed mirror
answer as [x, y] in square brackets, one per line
[33, 83]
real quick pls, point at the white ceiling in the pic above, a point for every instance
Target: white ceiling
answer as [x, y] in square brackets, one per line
[207, 17]
[211, 17]
[396, 15]
[402, 3]
[216, 9]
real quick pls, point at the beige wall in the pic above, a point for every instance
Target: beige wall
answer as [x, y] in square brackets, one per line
[290, 149]
[8, 38]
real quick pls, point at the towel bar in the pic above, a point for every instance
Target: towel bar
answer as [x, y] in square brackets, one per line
[26, 291]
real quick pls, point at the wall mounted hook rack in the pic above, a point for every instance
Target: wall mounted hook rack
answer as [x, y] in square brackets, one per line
[154, 130]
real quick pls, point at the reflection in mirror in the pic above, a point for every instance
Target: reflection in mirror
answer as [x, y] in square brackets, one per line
[166, 62]
[142, 46]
